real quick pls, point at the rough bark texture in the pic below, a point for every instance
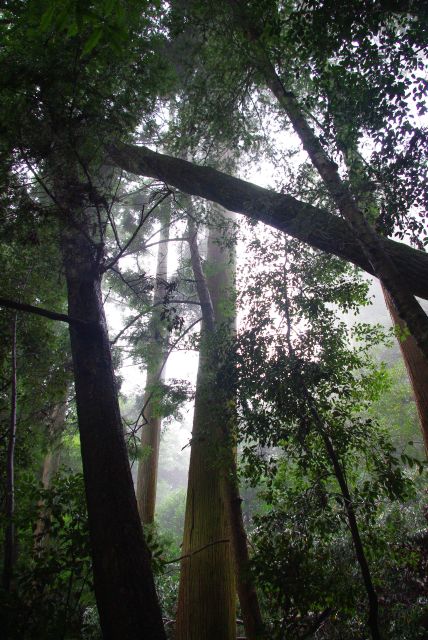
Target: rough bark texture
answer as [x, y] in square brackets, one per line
[417, 369]
[151, 430]
[9, 538]
[248, 598]
[222, 288]
[123, 581]
[309, 224]
[206, 603]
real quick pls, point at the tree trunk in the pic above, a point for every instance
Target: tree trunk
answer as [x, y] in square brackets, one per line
[151, 430]
[312, 225]
[206, 602]
[248, 598]
[222, 291]
[373, 617]
[50, 467]
[123, 580]
[417, 369]
[10, 539]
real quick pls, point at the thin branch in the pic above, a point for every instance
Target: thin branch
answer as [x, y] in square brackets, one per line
[141, 222]
[153, 244]
[142, 313]
[127, 326]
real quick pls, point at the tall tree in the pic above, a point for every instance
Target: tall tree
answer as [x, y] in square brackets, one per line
[207, 571]
[54, 127]
[151, 429]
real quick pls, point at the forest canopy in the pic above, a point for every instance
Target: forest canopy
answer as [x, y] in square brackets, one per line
[214, 183]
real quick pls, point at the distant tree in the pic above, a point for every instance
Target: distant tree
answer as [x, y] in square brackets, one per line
[151, 429]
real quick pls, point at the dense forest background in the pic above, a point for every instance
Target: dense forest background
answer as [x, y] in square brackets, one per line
[214, 353]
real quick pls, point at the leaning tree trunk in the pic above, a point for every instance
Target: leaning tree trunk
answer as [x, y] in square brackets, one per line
[416, 363]
[151, 430]
[417, 368]
[123, 580]
[312, 225]
[248, 598]
[206, 602]
[10, 537]
[372, 245]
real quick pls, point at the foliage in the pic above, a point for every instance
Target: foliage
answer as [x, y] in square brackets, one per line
[53, 578]
[74, 76]
[304, 403]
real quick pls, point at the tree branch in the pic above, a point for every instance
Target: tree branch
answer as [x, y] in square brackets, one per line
[39, 311]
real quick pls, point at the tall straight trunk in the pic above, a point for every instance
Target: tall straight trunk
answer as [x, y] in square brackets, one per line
[408, 308]
[123, 580]
[417, 369]
[215, 294]
[10, 538]
[221, 286]
[206, 601]
[150, 435]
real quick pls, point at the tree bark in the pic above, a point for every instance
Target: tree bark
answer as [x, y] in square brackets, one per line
[373, 617]
[123, 580]
[218, 309]
[206, 602]
[417, 369]
[222, 290]
[150, 435]
[10, 536]
[311, 225]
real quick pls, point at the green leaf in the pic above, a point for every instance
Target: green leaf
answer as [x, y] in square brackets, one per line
[47, 18]
[73, 29]
[92, 41]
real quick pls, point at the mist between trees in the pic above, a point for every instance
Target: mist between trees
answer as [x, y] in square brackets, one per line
[280, 491]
